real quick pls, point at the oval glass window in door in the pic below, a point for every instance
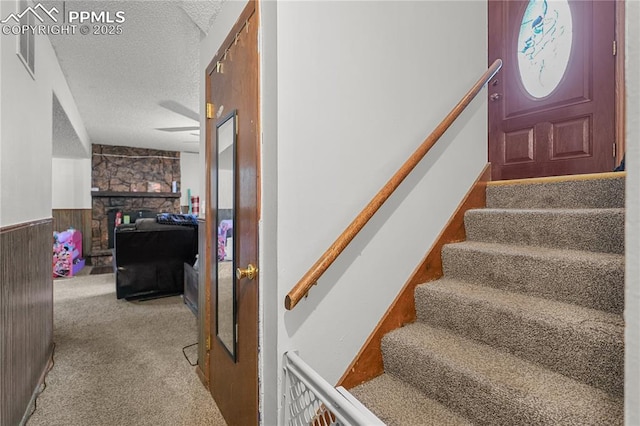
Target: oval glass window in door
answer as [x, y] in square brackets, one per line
[544, 45]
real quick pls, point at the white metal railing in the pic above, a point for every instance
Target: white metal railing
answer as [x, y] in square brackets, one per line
[310, 400]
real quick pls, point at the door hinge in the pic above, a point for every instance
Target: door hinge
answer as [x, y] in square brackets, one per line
[210, 108]
[208, 345]
[615, 48]
[615, 151]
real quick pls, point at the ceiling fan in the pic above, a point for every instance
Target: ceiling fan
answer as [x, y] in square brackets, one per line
[178, 108]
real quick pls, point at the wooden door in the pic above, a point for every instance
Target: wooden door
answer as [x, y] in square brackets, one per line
[232, 85]
[552, 106]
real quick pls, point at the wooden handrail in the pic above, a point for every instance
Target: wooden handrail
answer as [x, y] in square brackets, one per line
[311, 277]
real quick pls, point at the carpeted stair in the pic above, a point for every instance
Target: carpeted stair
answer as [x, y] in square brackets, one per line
[526, 325]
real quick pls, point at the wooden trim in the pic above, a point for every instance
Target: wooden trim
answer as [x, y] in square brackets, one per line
[621, 114]
[368, 363]
[206, 257]
[553, 179]
[311, 277]
[203, 377]
[203, 353]
[259, 132]
[17, 226]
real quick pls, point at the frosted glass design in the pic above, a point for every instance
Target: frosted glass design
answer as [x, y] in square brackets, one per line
[544, 45]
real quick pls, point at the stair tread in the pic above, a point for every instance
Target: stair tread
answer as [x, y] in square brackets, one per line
[515, 381]
[585, 278]
[598, 230]
[593, 191]
[537, 308]
[396, 402]
[542, 253]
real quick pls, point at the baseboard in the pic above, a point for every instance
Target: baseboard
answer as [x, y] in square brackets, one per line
[36, 392]
[368, 363]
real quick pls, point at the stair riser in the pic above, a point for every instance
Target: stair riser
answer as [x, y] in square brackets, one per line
[458, 390]
[586, 194]
[473, 396]
[598, 284]
[588, 354]
[593, 230]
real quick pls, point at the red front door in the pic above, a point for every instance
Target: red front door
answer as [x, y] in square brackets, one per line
[552, 107]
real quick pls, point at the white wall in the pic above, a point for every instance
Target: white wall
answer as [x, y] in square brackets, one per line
[26, 133]
[190, 175]
[359, 86]
[632, 298]
[26, 129]
[270, 357]
[71, 183]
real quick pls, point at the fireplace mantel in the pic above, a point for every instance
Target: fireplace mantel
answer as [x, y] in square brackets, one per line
[131, 194]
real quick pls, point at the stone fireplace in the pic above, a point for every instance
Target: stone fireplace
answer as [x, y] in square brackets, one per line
[137, 182]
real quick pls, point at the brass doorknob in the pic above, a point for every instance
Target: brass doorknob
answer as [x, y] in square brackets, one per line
[251, 272]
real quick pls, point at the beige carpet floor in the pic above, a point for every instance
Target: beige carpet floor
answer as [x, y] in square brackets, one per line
[121, 363]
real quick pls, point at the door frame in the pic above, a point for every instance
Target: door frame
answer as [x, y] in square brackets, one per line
[620, 124]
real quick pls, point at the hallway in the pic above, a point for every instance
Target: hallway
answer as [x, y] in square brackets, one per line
[121, 363]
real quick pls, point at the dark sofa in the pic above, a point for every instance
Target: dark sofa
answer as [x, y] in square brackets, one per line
[149, 258]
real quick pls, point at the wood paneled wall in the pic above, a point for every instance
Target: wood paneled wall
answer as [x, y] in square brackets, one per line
[79, 219]
[203, 354]
[26, 314]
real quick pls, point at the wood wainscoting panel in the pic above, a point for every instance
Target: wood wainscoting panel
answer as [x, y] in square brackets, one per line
[202, 369]
[26, 314]
[368, 363]
[79, 219]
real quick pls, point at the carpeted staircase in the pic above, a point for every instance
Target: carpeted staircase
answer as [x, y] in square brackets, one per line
[526, 325]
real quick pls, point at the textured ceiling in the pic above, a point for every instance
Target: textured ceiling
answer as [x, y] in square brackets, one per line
[66, 143]
[129, 86]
